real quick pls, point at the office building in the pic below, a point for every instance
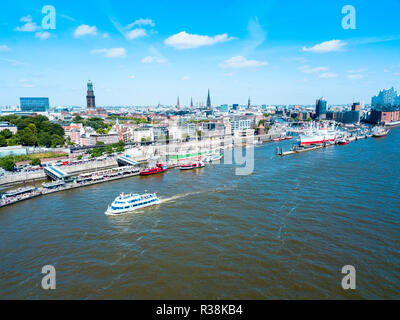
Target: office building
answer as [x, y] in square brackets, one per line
[34, 104]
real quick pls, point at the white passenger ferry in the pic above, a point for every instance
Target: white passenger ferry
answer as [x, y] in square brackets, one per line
[130, 202]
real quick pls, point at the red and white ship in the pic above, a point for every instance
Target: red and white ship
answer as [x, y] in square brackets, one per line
[318, 135]
[192, 165]
[159, 168]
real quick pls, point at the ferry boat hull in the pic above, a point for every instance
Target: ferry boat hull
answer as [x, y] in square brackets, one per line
[128, 203]
[150, 171]
[316, 139]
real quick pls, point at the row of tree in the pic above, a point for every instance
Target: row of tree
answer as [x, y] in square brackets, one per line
[109, 149]
[32, 131]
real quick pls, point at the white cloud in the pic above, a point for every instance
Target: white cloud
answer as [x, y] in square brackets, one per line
[84, 30]
[43, 35]
[185, 78]
[355, 76]
[184, 40]
[328, 75]
[14, 63]
[242, 62]
[136, 33]
[358, 70]
[132, 76]
[308, 69]
[4, 47]
[327, 46]
[29, 25]
[141, 22]
[111, 53]
[105, 35]
[153, 59]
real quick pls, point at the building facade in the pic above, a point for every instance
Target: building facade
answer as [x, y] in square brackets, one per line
[321, 108]
[29, 104]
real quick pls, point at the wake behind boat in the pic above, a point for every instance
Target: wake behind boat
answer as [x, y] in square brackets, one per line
[130, 202]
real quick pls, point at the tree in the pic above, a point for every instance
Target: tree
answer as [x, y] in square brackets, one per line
[28, 137]
[56, 140]
[7, 164]
[6, 133]
[99, 143]
[109, 149]
[44, 139]
[36, 162]
[3, 141]
[80, 157]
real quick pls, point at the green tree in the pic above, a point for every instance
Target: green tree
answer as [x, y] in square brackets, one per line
[3, 141]
[80, 157]
[56, 140]
[99, 143]
[44, 139]
[36, 162]
[6, 133]
[109, 149]
[7, 164]
[28, 137]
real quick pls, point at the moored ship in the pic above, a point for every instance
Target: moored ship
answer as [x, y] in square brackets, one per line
[318, 135]
[130, 202]
[159, 168]
[379, 132]
[192, 165]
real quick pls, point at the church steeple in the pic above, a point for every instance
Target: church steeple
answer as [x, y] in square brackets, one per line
[248, 104]
[177, 104]
[208, 99]
[191, 102]
[90, 98]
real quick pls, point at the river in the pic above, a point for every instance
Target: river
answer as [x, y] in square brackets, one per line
[283, 232]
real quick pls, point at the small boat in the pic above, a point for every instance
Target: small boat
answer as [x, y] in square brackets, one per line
[379, 132]
[130, 202]
[343, 141]
[288, 137]
[279, 139]
[192, 165]
[212, 157]
[159, 168]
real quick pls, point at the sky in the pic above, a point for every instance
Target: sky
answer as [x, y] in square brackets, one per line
[150, 52]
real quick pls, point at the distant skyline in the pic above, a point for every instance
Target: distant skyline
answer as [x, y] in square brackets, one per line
[143, 53]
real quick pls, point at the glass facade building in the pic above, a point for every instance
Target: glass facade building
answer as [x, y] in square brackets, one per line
[34, 104]
[321, 108]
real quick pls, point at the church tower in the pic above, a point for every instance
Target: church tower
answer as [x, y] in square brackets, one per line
[90, 99]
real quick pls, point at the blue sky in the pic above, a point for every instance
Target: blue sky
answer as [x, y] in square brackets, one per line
[145, 52]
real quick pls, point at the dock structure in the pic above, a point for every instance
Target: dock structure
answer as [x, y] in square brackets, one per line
[55, 173]
[126, 161]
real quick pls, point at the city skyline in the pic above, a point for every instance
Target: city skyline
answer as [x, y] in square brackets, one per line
[270, 51]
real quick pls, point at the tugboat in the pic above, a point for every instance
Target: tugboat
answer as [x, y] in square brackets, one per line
[159, 168]
[192, 165]
[130, 202]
